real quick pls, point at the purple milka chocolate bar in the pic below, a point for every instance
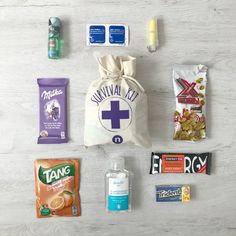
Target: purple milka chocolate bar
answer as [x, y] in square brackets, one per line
[53, 111]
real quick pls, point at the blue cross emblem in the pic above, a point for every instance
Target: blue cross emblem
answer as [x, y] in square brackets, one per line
[115, 114]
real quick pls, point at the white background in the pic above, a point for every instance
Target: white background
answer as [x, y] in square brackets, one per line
[201, 31]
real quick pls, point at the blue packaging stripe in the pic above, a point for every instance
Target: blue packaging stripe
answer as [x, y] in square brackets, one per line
[118, 203]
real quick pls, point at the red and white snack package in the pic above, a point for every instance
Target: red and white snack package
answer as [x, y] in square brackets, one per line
[190, 92]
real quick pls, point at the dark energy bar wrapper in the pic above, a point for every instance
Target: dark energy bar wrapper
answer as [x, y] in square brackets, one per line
[53, 111]
[172, 193]
[180, 163]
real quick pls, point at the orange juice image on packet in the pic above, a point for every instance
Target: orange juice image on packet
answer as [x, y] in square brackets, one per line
[57, 187]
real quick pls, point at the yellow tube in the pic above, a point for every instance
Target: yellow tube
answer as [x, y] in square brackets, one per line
[152, 35]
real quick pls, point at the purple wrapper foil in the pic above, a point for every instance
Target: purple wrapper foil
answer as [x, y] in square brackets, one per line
[52, 111]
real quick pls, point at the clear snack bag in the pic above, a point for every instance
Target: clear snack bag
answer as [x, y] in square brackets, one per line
[190, 92]
[116, 105]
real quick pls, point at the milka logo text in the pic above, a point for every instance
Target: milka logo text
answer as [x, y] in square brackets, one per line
[51, 93]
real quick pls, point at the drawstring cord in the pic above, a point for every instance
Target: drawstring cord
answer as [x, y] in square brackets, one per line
[119, 75]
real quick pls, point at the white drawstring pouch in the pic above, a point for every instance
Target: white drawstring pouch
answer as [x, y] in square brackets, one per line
[116, 105]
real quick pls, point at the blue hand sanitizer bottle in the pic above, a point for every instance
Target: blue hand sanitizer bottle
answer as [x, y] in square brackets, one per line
[118, 187]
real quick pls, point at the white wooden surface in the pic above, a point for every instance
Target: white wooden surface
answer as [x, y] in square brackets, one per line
[201, 31]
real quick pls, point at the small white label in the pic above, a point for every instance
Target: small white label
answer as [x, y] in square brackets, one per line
[62, 135]
[118, 187]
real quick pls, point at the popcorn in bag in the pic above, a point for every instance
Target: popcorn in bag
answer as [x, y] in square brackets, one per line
[190, 92]
[116, 105]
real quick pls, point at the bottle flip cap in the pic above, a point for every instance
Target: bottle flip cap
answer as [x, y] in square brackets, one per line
[117, 163]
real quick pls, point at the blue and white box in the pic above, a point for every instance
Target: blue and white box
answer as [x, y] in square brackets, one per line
[173, 193]
[107, 35]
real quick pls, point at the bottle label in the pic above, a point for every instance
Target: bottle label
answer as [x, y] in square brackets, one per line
[118, 196]
[52, 43]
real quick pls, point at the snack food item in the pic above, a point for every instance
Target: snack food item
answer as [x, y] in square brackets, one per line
[180, 163]
[190, 91]
[53, 111]
[107, 35]
[116, 105]
[57, 187]
[172, 193]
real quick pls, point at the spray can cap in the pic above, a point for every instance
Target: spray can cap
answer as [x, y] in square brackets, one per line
[54, 26]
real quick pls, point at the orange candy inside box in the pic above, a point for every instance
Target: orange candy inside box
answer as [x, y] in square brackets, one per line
[57, 187]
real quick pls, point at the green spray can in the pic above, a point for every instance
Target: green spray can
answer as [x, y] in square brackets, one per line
[54, 38]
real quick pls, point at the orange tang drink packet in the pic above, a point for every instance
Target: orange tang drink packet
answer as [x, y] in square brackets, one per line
[57, 187]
